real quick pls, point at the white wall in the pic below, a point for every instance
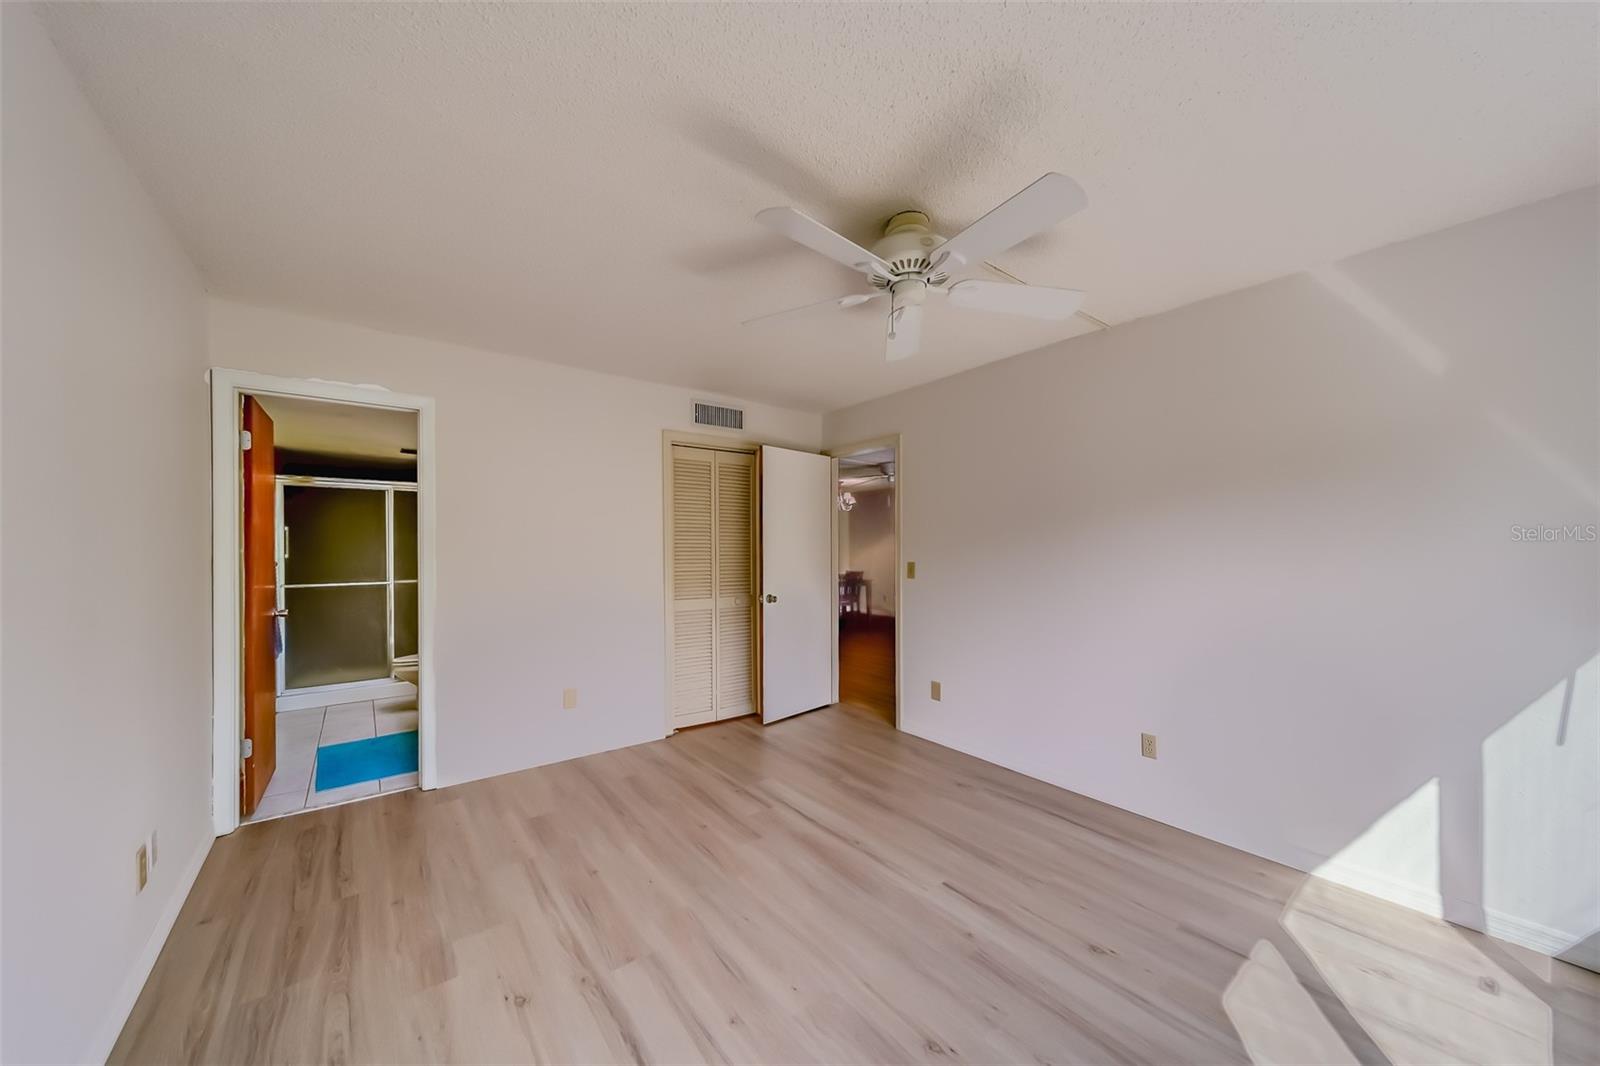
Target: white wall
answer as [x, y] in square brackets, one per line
[871, 545]
[105, 700]
[549, 567]
[1276, 529]
[549, 525]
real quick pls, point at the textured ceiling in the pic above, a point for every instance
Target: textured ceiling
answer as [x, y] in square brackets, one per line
[576, 183]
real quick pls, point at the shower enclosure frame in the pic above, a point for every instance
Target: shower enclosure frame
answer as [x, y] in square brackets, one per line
[389, 581]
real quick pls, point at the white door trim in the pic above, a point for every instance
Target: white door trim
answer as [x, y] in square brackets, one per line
[890, 440]
[669, 437]
[227, 707]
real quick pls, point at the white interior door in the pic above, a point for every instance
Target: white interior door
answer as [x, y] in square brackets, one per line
[798, 584]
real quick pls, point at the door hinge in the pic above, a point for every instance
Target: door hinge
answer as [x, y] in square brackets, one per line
[244, 440]
[247, 748]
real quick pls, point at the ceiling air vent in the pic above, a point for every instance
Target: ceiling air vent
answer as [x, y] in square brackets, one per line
[710, 414]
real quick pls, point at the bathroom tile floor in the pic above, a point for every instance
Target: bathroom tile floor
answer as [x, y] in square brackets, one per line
[301, 733]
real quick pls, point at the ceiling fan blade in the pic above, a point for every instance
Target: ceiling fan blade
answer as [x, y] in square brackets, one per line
[819, 238]
[1034, 301]
[853, 300]
[905, 332]
[1033, 210]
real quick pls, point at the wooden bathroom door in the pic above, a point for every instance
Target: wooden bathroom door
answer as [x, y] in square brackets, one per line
[260, 607]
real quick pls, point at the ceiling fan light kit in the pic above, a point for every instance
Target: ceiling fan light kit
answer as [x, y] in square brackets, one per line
[911, 261]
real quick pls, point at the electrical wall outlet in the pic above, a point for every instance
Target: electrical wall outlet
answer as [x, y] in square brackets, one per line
[141, 860]
[936, 692]
[569, 699]
[911, 571]
[1147, 745]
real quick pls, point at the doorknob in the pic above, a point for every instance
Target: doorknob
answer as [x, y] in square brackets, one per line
[771, 598]
[280, 612]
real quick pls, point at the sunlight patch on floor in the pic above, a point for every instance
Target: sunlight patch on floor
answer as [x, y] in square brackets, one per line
[1420, 989]
[1277, 1020]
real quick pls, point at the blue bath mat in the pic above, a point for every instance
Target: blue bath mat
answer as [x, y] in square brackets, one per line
[366, 760]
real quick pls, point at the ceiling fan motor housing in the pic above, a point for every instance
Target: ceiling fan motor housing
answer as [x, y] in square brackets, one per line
[907, 245]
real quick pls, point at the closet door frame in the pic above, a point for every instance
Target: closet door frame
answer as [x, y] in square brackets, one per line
[710, 442]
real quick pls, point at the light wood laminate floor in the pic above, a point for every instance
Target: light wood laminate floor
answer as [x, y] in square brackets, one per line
[822, 890]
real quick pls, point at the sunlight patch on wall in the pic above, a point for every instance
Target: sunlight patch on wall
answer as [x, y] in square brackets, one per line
[1359, 299]
[1397, 856]
[1430, 357]
[1541, 818]
[1563, 468]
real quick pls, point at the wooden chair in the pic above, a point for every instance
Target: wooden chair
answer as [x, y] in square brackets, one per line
[851, 583]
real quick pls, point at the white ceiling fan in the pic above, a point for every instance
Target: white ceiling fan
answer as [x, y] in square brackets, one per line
[911, 261]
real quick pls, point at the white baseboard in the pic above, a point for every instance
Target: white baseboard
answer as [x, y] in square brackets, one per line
[1512, 928]
[133, 984]
[1542, 938]
[384, 688]
[1373, 883]
[1580, 949]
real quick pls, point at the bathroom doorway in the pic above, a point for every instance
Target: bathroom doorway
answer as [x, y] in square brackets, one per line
[322, 524]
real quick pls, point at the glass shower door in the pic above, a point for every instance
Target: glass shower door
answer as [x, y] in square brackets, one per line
[336, 585]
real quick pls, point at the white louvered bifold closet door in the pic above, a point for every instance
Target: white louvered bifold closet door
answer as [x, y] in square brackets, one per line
[693, 586]
[735, 529]
[712, 585]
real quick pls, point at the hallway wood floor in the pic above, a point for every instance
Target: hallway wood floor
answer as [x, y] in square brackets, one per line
[866, 663]
[825, 890]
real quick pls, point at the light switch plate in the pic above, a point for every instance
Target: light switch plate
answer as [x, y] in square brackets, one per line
[911, 570]
[937, 692]
[141, 859]
[569, 699]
